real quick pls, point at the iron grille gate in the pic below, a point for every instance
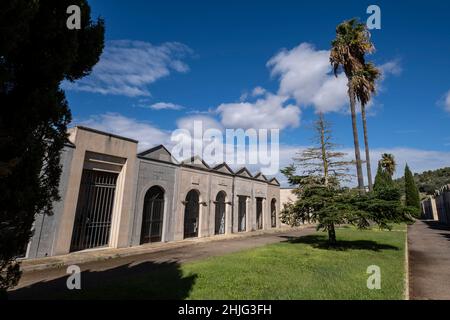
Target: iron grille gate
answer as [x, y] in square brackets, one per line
[219, 227]
[274, 213]
[94, 210]
[153, 215]
[191, 215]
[242, 212]
[259, 208]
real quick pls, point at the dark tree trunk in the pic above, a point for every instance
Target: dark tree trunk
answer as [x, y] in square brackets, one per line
[366, 147]
[356, 140]
[331, 234]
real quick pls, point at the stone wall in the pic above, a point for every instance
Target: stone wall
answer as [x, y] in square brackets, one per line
[437, 207]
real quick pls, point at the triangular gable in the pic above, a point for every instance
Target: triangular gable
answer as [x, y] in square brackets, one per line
[224, 168]
[260, 176]
[196, 161]
[158, 153]
[274, 181]
[244, 173]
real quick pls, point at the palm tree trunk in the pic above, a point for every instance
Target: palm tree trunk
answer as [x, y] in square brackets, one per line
[355, 139]
[366, 147]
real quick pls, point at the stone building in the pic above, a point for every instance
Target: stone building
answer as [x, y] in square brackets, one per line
[113, 197]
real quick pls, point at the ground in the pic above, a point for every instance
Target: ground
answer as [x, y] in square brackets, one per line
[429, 260]
[289, 265]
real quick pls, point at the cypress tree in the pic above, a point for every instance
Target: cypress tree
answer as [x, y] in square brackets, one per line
[412, 197]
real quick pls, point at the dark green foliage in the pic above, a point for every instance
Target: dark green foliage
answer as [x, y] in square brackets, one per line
[412, 197]
[383, 179]
[428, 181]
[37, 52]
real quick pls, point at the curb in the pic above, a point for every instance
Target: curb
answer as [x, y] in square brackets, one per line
[406, 293]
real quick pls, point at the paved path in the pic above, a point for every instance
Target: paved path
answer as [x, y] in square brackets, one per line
[37, 283]
[429, 260]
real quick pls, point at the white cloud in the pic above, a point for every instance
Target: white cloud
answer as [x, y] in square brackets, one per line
[163, 106]
[207, 122]
[258, 91]
[270, 112]
[391, 67]
[306, 75]
[147, 134]
[128, 67]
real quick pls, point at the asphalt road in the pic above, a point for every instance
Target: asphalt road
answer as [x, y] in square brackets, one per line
[429, 260]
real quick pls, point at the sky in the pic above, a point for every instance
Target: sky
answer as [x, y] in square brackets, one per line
[263, 65]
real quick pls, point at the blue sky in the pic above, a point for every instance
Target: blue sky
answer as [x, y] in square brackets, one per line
[178, 60]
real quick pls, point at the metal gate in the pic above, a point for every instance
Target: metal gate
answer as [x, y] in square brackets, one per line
[191, 215]
[152, 219]
[220, 214]
[94, 210]
[259, 208]
[273, 211]
[242, 213]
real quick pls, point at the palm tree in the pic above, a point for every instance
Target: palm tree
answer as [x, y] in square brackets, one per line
[364, 83]
[347, 51]
[388, 163]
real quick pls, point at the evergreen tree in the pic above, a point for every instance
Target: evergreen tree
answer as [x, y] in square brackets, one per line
[320, 196]
[412, 197]
[382, 179]
[37, 52]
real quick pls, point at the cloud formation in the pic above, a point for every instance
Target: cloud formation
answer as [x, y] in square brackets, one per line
[147, 134]
[164, 106]
[306, 75]
[269, 112]
[128, 67]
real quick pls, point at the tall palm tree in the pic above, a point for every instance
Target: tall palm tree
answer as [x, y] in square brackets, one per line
[364, 82]
[348, 49]
[388, 163]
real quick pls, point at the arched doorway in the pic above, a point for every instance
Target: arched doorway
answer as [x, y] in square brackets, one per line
[191, 214]
[219, 227]
[273, 213]
[153, 215]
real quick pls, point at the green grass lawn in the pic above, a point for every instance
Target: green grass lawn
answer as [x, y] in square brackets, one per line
[301, 268]
[305, 269]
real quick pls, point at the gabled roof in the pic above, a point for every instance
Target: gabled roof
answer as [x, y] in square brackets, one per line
[244, 172]
[158, 153]
[223, 167]
[196, 161]
[275, 181]
[260, 176]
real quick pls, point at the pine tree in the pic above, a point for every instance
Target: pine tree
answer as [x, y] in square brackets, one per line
[412, 197]
[37, 53]
[318, 188]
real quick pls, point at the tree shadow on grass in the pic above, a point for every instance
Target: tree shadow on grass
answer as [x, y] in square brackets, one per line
[321, 242]
[144, 281]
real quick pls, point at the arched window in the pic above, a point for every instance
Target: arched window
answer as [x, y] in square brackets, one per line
[191, 214]
[273, 213]
[153, 215]
[219, 227]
